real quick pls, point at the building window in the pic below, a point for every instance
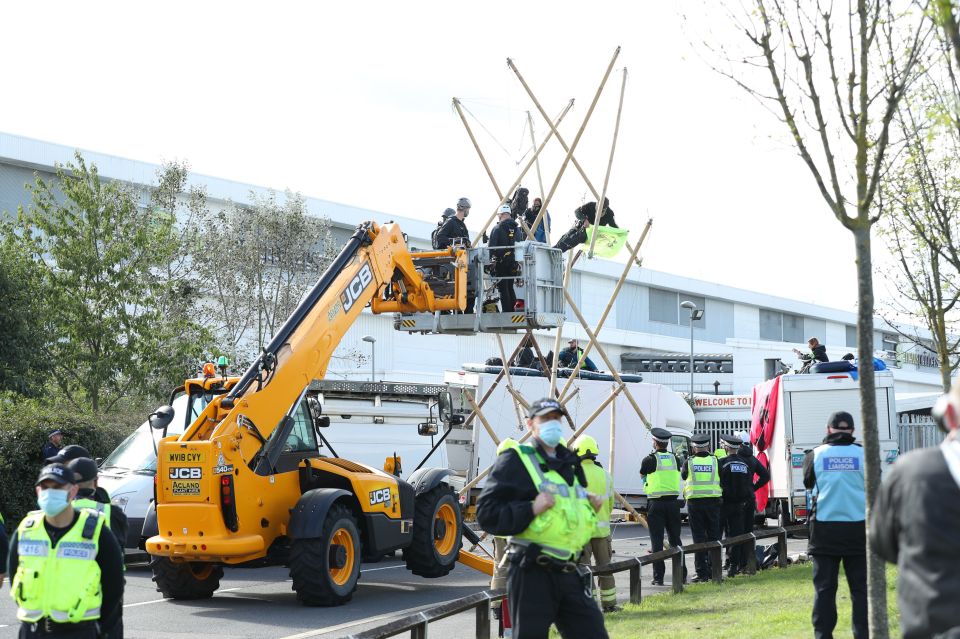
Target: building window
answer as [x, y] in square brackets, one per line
[781, 327]
[889, 344]
[851, 336]
[664, 306]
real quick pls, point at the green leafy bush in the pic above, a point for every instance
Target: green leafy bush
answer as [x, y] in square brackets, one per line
[24, 424]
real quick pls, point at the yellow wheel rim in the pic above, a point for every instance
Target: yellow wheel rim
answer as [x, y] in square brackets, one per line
[342, 537]
[445, 542]
[201, 571]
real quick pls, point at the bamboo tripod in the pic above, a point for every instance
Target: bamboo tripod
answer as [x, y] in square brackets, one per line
[568, 392]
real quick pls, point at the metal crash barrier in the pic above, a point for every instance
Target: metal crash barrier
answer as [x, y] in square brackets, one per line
[416, 624]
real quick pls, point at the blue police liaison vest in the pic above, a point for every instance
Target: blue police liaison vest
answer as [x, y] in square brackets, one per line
[839, 494]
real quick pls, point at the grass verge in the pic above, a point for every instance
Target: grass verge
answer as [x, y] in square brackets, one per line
[774, 603]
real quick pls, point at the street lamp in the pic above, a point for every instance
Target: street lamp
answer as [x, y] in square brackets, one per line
[695, 314]
[373, 355]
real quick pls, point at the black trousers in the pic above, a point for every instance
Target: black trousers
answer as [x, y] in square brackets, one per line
[538, 598]
[705, 525]
[663, 515]
[35, 631]
[733, 526]
[749, 512]
[576, 235]
[508, 297]
[826, 571]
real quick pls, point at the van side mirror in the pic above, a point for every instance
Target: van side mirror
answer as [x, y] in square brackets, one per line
[445, 405]
[322, 422]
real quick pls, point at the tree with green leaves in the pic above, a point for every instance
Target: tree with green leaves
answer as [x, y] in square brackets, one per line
[23, 361]
[920, 199]
[254, 263]
[101, 258]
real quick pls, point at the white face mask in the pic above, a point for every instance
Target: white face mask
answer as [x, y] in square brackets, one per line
[550, 432]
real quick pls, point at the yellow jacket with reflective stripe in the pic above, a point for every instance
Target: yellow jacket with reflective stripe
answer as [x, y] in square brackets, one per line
[102, 508]
[665, 481]
[61, 582]
[703, 478]
[599, 482]
[562, 530]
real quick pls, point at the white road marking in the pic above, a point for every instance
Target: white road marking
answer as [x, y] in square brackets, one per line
[153, 601]
[383, 568]
[350, 624]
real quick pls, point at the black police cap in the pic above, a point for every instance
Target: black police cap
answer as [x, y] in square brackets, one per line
[68, 453]
[58, 473]
[731, 440]
[701, 439]
[84, 468]
[661, 435]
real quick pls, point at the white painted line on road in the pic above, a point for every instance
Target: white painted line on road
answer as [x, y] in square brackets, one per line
[153, 601]
[351, 624]
[384, 568]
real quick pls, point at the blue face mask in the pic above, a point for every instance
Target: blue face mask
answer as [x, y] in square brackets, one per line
[53, 501]
[550, 432]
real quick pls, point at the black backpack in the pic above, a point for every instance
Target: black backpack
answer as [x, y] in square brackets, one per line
[433, 234]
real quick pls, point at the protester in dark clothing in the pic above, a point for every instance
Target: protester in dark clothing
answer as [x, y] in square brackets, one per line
[530, 216]
[834, 472]
[454, 232]
[915, 523]
[504, 262]
[447, 214]
[585, 216]
[572, 354]
[760, 476]
[818, 353]
[526, 358]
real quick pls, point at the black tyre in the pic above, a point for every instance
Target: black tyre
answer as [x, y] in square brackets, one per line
[325, 570]
[437, 530]
[185, 580]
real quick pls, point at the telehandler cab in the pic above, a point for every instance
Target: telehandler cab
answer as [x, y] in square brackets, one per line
[245, 483]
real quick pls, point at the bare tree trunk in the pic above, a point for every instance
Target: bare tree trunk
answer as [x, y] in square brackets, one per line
[876, 575]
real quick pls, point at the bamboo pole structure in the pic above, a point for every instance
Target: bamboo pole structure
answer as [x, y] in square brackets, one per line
[530, 162]
[613, 299]
[576, 139]
[606, 178]
[566, 400]
[483, 420]
[606, 359]
[506, 372]
[533, 141]
[473, 139]
[556, 342]
[613, 433]
[560, 139]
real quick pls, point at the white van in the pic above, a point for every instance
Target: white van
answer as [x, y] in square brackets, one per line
[471, 450]
[804, 404]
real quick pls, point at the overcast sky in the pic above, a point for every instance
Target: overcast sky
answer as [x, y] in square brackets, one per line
[351, 102]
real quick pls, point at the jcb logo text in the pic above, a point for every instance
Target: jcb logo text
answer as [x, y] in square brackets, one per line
[183, 472]
[381, 496]
[356, 287]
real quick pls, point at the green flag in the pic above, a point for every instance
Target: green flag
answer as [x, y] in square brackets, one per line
[609, 240]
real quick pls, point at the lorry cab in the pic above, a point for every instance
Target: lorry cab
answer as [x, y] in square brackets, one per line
[802, 406]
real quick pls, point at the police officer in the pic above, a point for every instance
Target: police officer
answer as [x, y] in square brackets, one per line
[736, 482]
[502, 239]
[53, 445]
[70, 595]
[537, 495]
[834, 472]
[760, 475]
[702, 492]
[600, 546]
[92, 496]
[661, 474]
[67, 454]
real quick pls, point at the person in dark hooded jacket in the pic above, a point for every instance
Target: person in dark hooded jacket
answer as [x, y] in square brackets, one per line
[585, 216]
[761, 477]
[818, 353]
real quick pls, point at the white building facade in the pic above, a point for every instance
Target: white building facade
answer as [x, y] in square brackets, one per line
[736, 344]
